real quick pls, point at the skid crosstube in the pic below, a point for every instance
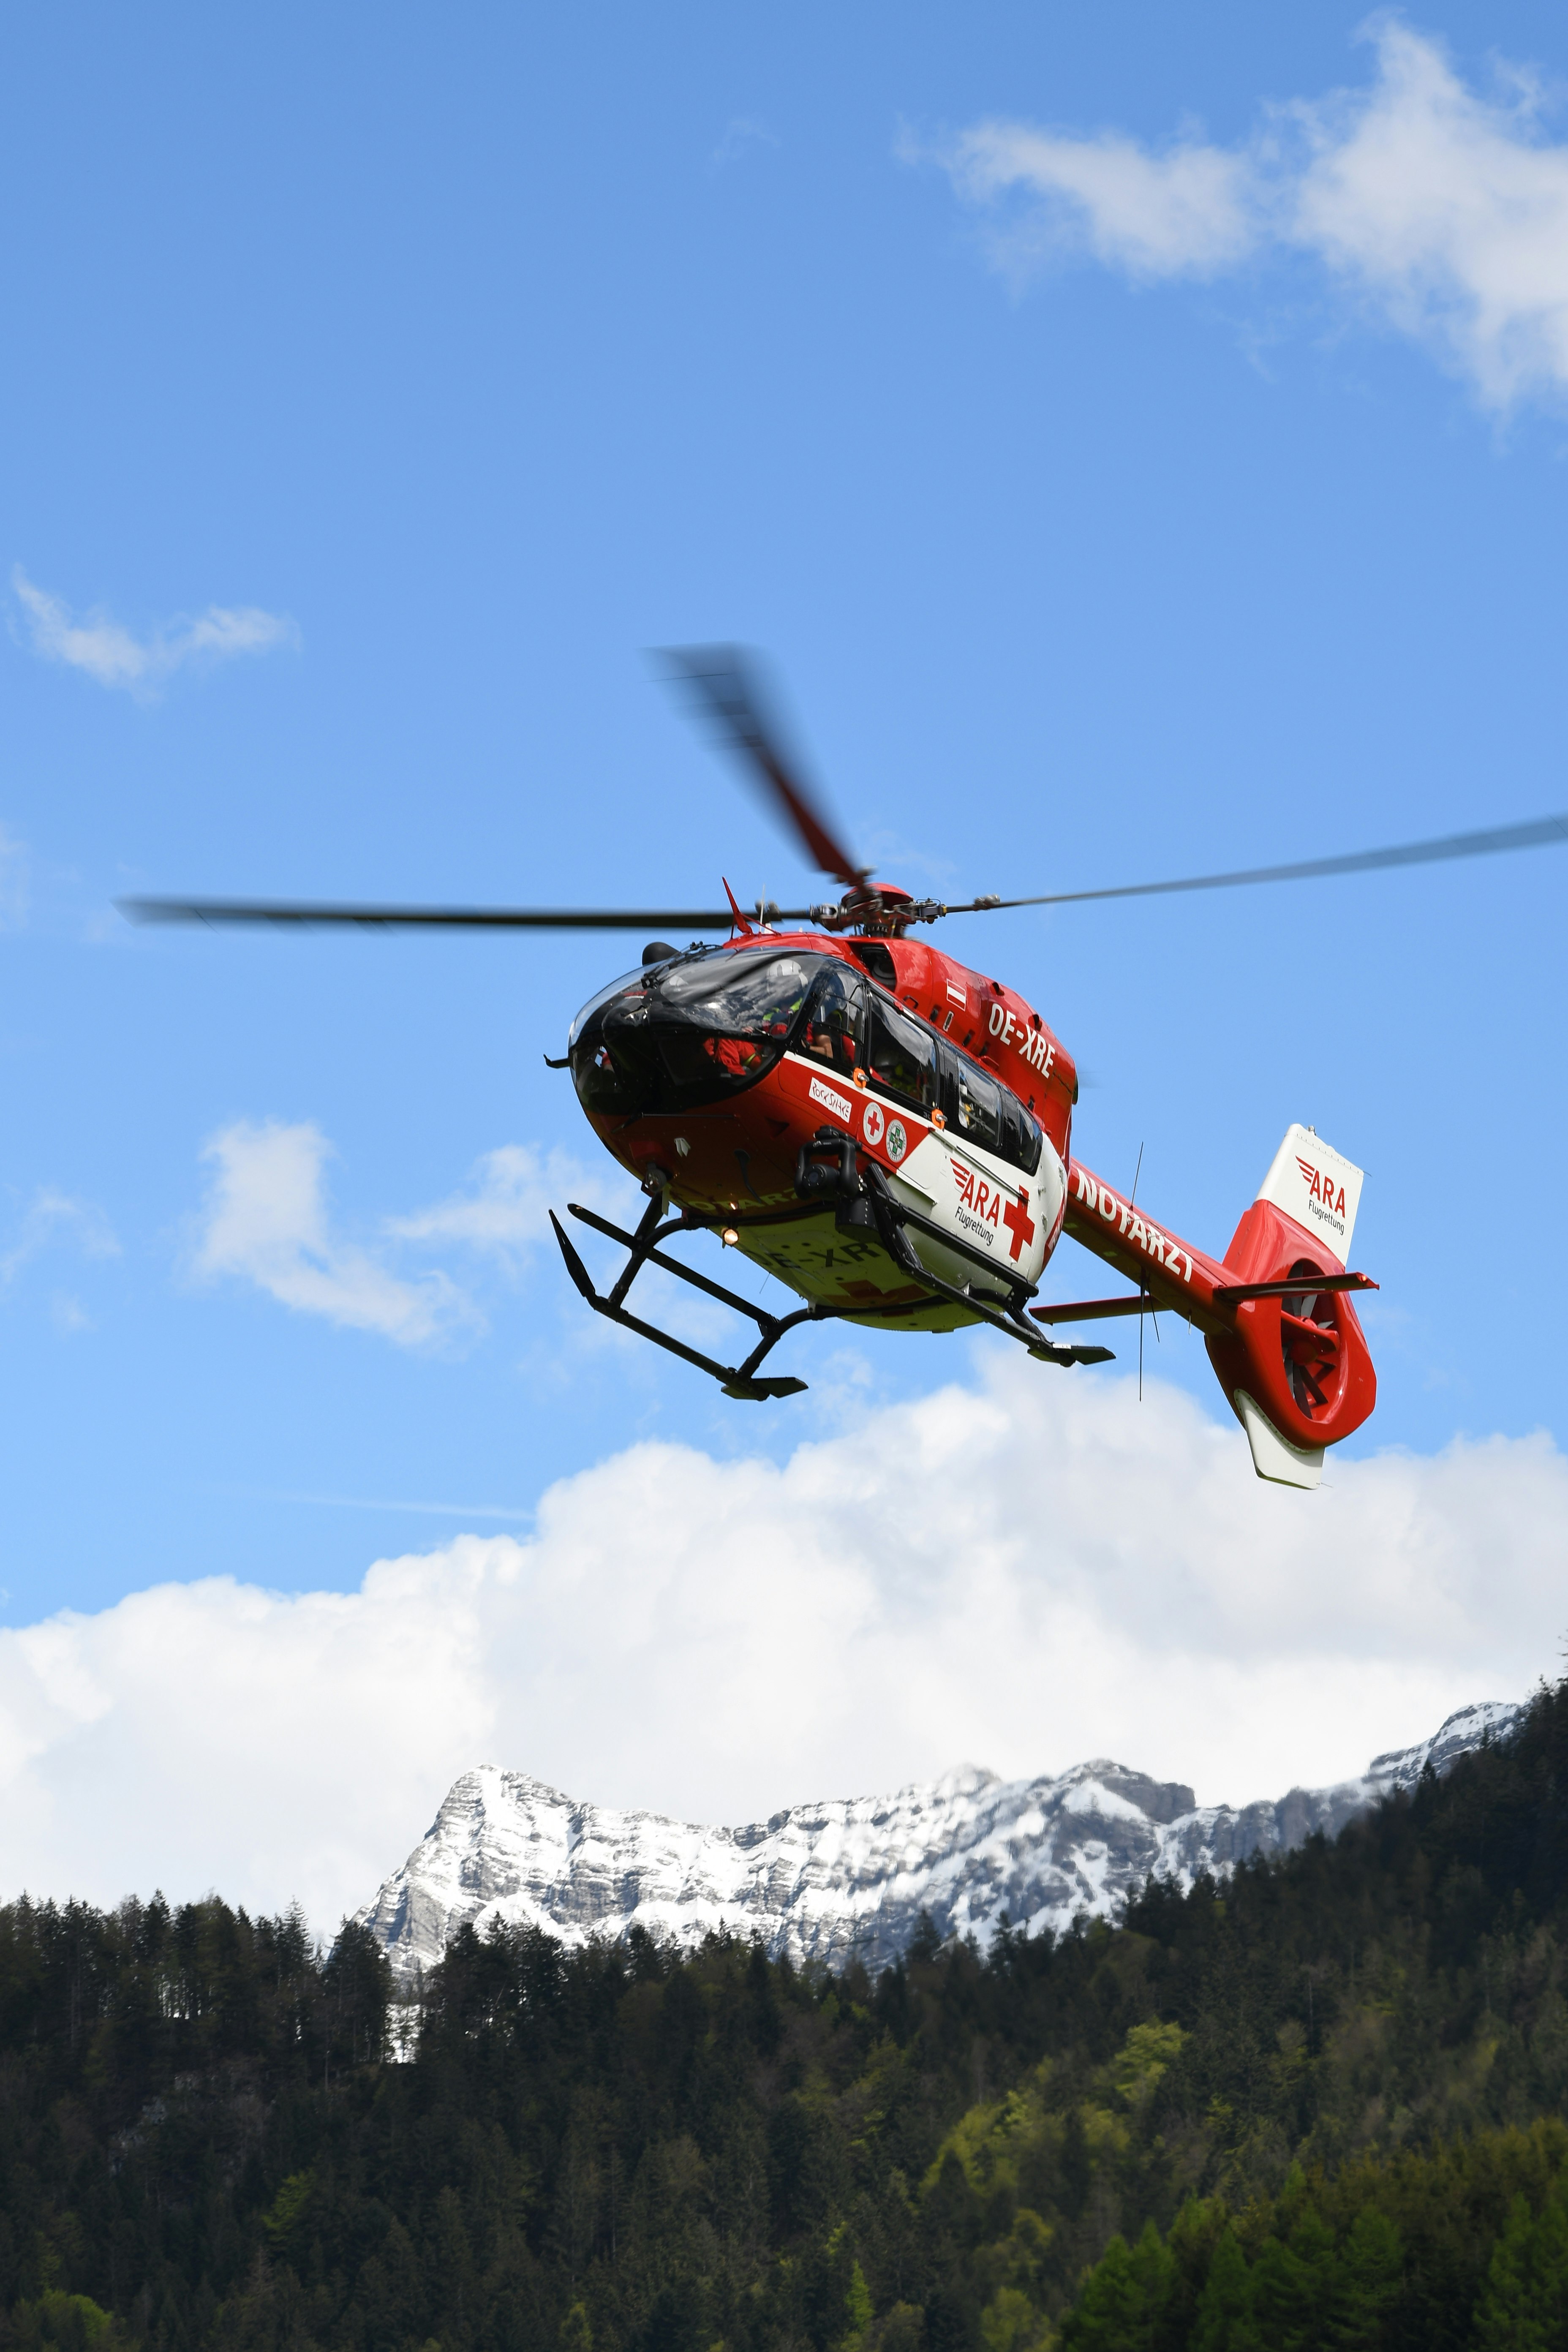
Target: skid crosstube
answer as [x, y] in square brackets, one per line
[876, 1207]
[736, 1381]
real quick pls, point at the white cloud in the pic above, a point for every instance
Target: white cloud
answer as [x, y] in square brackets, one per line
[107, 651]
[1449, 211]
[1190, 211]
[52, 1217]
[1024, 1573]
[505, 1212]
[266, 1222]
[1443, 211]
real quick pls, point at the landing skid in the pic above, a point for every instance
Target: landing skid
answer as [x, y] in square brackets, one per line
[736, 1381]
[876, 1207]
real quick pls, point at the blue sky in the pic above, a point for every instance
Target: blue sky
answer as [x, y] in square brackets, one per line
[1137, 460]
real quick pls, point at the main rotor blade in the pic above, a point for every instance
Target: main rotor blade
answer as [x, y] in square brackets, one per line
[482, 919]
[1539, 834]
[725, 687]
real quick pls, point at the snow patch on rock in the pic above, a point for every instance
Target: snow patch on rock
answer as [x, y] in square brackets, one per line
[853, 1874]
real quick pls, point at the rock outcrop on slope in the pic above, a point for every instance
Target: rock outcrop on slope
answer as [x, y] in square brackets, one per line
[852, 1875]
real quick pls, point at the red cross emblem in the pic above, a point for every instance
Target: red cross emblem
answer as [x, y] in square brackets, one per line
[1019, 1224]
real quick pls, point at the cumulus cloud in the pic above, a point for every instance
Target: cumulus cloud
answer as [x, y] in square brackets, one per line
[265, 1221]
[505, 1209]
[1024, 1573]
[1441, 209]
[1448, 210]
[106, 650]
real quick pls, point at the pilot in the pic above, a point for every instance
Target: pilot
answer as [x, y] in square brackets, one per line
[830, 1032]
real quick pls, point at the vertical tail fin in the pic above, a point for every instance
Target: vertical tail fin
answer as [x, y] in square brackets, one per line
[1297, 1370]
[1317, 1188]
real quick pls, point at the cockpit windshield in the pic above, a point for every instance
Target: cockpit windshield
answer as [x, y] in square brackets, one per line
[690, 1032]
[629, 985]
[755, 995]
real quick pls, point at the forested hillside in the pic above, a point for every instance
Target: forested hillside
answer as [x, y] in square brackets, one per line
[1316, 2106]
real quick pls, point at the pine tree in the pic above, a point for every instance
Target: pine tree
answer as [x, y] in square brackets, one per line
[1524, 2308]
[1124, 2301]
[1370, 2266]
[1224, 2320]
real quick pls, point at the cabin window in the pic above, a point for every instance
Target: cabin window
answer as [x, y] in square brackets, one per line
[986, 1113]
[900, 1055]
[978, 1109]
[1022, 1141]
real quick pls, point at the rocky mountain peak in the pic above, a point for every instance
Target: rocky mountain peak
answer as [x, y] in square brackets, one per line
[852, 1875]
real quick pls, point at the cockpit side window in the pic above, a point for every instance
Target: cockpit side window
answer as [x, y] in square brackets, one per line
[835, 1020]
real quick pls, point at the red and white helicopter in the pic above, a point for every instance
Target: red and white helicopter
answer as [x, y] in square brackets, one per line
[889, 1132]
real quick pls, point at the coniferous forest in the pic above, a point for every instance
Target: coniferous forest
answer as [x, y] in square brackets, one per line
[1321, 2104]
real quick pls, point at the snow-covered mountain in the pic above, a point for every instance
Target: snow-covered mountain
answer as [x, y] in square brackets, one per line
[855, 1874]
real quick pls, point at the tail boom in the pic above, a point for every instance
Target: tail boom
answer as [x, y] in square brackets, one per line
[1174, 1275]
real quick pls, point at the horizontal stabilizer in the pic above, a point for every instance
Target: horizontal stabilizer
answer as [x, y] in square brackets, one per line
[1292, 1286]
[1095, 1310]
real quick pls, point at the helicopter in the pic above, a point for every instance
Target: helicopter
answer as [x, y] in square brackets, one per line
[888, 1131]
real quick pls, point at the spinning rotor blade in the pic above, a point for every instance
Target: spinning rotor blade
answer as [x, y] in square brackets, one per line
[724, 686]
[1538, 833]
[481, 919]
